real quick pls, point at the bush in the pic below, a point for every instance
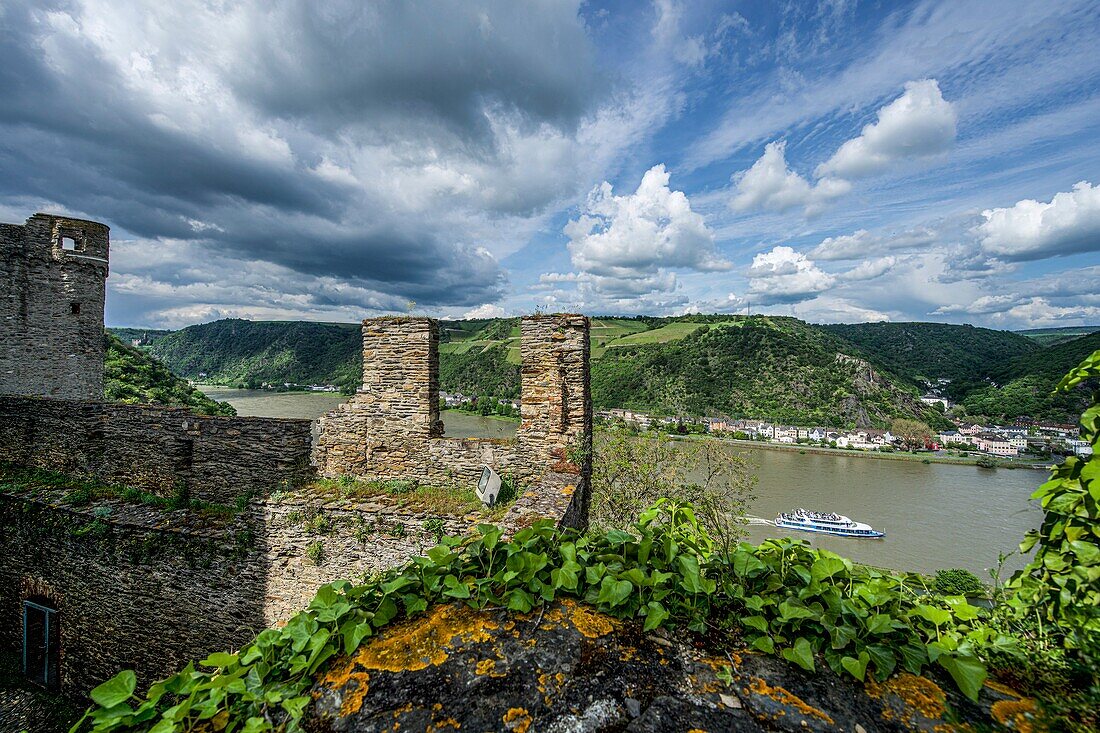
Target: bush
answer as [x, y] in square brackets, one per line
[631, 473]
[957, 582]
[316, 552]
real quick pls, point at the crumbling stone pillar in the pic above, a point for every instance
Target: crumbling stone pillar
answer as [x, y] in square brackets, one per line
[384, 430]
[555, 432]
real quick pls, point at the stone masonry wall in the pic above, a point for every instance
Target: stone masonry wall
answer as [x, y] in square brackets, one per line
[133, 591]
[54, 271]
[391, 430]
[160, 449]
[146, 589]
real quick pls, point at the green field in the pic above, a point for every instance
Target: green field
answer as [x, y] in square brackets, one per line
[666, 333]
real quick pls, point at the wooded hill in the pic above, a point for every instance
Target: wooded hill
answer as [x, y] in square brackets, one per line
[133, 376]
[761, 366]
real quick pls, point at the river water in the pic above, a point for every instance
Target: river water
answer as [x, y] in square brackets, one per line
[934, 515]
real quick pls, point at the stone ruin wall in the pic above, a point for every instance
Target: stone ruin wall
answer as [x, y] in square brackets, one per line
[391, 428]
[145, 588]
[51, 307]
[159, 449]
[150, 590]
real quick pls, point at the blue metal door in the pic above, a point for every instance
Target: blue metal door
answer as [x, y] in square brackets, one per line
[41, 644]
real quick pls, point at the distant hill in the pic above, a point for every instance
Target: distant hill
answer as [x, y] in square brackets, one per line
[1052, 336]
[145, 335]
[762, 366]
[133, 376]
[1025, 386]
[719, 364]
[926, 352]
[247, 353]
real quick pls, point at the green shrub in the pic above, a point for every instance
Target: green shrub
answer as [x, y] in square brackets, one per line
[957, 582]
[316, 552]
[434, 527]
[78, 497]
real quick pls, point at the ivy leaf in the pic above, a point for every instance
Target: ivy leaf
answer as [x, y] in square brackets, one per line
[219, 659]
[455, 587]
[856, 667]
[655, 615]
[967, 671]
[826, 567]
[755, 622]
[747, 565]
[613, 592]
[938, 616]
[764, 643]
[884, 660]
[880, 623]
[116, 690]
[801, 654]
[790, 611]
[255, 724]
[296, 705]
[691, 578]
[355, 635]
[617, 537]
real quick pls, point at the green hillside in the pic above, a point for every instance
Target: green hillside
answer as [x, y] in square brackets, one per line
[718, 364]
[926, 352]
[133, 376]
[1052, 336]
[1025, 385]
[238, 352]
[780, 368]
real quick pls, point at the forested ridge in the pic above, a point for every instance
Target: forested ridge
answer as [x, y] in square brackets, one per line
[134, 377]
[764, 366]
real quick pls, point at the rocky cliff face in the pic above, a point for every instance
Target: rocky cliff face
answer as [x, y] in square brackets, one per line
[574, 669]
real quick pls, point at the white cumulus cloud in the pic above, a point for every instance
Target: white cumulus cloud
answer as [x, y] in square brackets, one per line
[638, 237]
[785, 276]
[917, 124]
[770, 184]
[1067, 224]
[870, 269]
[486, 310]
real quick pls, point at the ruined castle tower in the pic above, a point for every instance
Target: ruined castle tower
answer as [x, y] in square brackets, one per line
[54, 272]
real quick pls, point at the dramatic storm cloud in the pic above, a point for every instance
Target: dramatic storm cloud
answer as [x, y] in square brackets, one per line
[328, 161]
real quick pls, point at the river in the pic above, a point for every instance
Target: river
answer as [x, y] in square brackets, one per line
[935, 515]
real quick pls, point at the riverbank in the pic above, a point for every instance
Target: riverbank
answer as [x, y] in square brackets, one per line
[475, 413]
[1010, 464]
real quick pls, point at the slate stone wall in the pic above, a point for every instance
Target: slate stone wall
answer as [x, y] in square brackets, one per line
[132, 590]
[391, 430]
[142, 588]
[161, 449]
[51, 307]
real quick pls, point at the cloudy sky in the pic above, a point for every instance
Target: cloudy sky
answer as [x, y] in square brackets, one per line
[838, 161]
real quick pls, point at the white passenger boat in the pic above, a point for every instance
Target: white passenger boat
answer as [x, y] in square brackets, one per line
[826, 523]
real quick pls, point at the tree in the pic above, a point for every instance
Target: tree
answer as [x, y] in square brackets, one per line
[630, 473]
[913, 433]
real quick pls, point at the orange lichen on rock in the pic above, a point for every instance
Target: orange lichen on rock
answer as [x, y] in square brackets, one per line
[485, 666]
[589, 622]
[918, 693]
[784, 697]
[414, 645]
[1015, 714]
[517, 719]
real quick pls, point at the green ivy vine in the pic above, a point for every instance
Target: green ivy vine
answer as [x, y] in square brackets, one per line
[792, 600]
